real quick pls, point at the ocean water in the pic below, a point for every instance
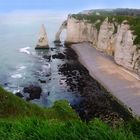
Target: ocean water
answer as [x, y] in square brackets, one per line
[20, 64]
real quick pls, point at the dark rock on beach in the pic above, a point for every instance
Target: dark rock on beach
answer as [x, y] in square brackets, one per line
[58, 56]
[19, 94]
[52, 49]
[57, 41]
[6, 84]
[42, 81]
[58, 44]
[70, 54]
[33, 91]
[48, 57]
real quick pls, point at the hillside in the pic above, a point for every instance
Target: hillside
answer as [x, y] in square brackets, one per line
[21, 120]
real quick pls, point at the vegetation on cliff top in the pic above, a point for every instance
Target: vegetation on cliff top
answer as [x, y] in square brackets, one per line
[133, 21]
[116, 12]
[20, 120]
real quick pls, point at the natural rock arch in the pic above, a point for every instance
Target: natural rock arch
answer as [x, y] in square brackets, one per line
[62, 27]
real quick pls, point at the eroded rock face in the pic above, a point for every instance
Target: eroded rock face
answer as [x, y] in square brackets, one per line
[120, 45]
[106, 38]
[124, 47]
[136, 62]
[42, 39]
[80, 31]
[33, 91]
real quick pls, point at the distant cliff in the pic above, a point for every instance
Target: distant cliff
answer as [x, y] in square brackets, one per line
[118, 36]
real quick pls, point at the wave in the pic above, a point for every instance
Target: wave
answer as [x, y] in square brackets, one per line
[16, 76]
[25, 50]
[21, 68]
[15, 91]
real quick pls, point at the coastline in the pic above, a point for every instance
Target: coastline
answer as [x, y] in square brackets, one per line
[122, 85]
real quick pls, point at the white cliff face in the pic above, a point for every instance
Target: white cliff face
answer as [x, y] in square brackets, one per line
[106, 38]
[136, 62]
[42, 39]
[119, 45]
[80, 31]
[124, 47]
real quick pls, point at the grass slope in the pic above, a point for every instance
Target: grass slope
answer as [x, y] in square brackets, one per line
[14, 107]
[20, 120]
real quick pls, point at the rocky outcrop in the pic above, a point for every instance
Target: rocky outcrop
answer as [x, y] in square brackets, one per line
[124, 47]
[80, 31]
[136, 62]
[111, 37]
[33, 91]
[57, 36]
[120, 45]
[106, 38]
[43, 39]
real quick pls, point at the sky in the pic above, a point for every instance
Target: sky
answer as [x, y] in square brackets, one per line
[64, 5]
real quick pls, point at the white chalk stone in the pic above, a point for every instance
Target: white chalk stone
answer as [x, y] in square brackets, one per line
[43, 39]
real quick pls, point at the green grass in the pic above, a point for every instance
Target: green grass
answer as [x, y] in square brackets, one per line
[14, 107]
[20, 120]
[133, 21]
[37, 129]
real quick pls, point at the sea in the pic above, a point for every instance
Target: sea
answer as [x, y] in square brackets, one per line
[21, 65]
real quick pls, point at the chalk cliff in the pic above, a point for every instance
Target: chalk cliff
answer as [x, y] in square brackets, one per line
[80, 31]
[115, 39]
[105, 40]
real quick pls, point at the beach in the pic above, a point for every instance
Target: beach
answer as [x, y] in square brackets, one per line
[122, 84]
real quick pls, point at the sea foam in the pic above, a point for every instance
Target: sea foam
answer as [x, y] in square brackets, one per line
[16, 76]
[25, 50]
[21, 68]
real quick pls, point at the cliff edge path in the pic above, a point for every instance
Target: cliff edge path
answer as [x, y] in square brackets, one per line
[122, 84]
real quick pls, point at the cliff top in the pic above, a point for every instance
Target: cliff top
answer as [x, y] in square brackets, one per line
[118, 11]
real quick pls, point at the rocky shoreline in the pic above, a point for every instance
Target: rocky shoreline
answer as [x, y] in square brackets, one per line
[95, 100]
